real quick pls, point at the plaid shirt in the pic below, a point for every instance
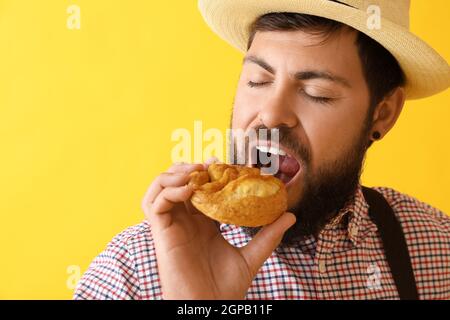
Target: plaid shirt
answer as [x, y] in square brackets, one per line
[346, 261]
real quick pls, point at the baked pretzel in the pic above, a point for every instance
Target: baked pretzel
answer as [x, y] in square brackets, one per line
[238, 195]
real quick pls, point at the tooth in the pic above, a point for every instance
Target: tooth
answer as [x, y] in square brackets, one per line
[272, 150]
[263, 148]
[277, 151]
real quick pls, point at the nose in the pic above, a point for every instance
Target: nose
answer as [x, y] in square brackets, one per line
[277, 111]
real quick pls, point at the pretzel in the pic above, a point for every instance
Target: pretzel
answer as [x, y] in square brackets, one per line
[238, 195]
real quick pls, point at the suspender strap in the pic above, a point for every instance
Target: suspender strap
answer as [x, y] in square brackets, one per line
[394, 243]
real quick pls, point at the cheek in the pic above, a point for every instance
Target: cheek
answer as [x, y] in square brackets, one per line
[332, 132]
[245, 110]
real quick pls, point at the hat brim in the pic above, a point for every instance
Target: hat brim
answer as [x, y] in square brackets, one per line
[427, 73]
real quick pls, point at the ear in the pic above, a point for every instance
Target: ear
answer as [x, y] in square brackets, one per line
[388, 111]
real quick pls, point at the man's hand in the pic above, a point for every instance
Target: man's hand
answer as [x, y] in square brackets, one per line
[194, 260]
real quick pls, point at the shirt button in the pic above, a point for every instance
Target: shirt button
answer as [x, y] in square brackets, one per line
[322, 266]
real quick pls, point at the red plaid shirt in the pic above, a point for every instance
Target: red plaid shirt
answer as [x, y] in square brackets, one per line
[347, 260]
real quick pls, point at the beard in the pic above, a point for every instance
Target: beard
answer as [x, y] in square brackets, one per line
[326, 191]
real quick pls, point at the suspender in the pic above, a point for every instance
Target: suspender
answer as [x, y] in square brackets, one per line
[394, 243]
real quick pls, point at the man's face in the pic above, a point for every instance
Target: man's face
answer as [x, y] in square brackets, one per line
[313, 90]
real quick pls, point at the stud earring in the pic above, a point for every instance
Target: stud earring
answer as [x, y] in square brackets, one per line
[376, 135]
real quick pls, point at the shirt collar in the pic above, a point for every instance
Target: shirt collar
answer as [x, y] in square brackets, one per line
[354, 217]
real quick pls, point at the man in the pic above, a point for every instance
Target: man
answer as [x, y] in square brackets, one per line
[332, 81]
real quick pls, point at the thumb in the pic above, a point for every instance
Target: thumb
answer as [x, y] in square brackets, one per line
[266, 240]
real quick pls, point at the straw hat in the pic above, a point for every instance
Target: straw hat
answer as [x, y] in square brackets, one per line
[427, 73]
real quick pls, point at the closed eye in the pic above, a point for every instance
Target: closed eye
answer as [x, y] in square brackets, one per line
[252, 84]
[321, 100]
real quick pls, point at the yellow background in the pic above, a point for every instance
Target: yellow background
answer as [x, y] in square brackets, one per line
[86, 118]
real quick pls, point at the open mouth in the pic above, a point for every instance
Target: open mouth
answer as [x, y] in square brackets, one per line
[282, 164]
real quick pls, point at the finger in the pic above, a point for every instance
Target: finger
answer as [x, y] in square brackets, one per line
[185, 167]
[265, 242]
[162, 181]
[158, 214]
[170, 196]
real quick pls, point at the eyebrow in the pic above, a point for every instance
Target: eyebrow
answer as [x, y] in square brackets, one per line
[300, 75]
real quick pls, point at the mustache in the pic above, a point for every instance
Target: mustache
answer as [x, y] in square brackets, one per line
[288, 139]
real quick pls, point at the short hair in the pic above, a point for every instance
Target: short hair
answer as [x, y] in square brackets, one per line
[381, 70]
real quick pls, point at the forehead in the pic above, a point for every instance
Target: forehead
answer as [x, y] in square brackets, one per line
[336, 52]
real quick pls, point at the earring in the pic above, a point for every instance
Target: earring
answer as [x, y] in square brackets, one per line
[376, 135]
